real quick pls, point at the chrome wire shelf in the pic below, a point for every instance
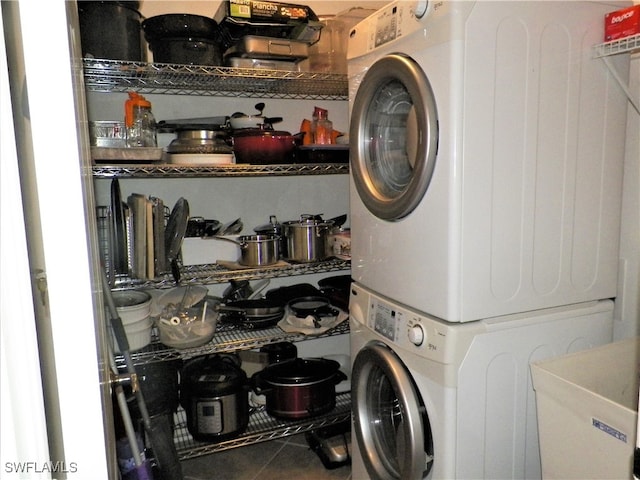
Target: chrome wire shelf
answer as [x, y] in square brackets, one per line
[213, 273]
[615, 47]
[228, 338]
[164, 78]
[262, 427]
[236, 170]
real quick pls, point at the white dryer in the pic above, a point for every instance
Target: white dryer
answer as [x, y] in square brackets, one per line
[487, 156]
[440, 400]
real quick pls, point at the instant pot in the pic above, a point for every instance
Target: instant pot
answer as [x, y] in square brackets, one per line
[214, 394]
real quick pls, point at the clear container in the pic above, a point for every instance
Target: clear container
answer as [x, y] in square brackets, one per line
[321, 127]
[107, 133]
[140, 122]
[329, 54]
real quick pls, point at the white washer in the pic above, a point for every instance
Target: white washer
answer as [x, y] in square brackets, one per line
[440, 400]
[487, 156]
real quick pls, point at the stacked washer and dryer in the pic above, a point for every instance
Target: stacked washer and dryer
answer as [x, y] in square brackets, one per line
[487, 161]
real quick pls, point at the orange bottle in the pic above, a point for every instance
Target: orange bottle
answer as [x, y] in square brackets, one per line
[305, 128]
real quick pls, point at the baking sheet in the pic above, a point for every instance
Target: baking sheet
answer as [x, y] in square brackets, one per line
[126, 155]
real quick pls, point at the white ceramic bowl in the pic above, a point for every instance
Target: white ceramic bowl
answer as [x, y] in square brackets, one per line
[138, 335]
[132, 305]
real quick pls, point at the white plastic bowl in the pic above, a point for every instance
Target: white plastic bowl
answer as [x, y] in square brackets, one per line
[191, 329]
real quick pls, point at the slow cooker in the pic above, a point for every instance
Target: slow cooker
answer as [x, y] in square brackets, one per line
[214, 395]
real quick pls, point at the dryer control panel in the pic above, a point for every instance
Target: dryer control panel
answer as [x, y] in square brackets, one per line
[393, 21]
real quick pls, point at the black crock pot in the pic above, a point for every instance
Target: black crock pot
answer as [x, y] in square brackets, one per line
[214, 394]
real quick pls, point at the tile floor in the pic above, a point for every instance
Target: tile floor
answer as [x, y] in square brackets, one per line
[287, 458]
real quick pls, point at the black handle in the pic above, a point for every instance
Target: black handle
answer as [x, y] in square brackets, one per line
[258, 384]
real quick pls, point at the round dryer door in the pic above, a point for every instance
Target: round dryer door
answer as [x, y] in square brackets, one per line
[394, 129]
[390, 420]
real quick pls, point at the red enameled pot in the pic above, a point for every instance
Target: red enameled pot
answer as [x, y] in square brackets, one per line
[264, 147]
[299, 388]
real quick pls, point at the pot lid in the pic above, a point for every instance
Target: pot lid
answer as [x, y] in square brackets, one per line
[260, 132]
[272, 226]
[203, 123]
[300, 371]
[213, 375]
[309, 221]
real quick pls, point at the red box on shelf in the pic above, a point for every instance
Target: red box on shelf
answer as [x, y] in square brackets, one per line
[622, 23]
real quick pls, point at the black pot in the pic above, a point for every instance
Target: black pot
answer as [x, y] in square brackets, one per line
[299, 388]
[183, 39]
[111, 30]
[214, 394]
[180, 25]
[159, 384]
[186, 51]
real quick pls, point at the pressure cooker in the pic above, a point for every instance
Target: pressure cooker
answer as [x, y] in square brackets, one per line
[214, 395]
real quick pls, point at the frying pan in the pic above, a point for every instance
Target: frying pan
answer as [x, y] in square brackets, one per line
[253, 313]
[174, 234]
[314, 306]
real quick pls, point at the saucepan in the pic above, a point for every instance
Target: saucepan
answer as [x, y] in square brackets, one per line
[306, 238]
[256, 250]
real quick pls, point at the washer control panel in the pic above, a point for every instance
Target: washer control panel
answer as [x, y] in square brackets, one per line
[410, 330]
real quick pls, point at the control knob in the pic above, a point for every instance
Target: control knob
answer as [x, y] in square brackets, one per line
[420, 8]
[416, 335]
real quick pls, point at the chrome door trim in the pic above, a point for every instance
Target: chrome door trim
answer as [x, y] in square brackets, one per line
[415, 463]
[423, 144]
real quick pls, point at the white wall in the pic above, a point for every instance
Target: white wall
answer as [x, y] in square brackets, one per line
[627, 314]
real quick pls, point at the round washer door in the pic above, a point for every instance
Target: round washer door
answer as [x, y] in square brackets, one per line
[390, 420]
[394, 129]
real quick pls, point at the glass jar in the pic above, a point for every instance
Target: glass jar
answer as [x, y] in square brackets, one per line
[140, 122]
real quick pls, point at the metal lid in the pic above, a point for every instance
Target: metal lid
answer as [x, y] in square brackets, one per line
[299, 371]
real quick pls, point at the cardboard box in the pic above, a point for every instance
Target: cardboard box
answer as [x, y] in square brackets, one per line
[622, 23]
[587, 411]
[259, 11]
[238, 18]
